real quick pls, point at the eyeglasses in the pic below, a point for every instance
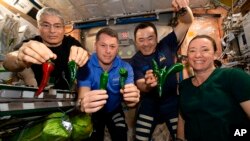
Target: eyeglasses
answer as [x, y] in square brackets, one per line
[49, 26]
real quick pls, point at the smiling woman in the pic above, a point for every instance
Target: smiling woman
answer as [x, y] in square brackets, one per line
[200, 54]
[212, 103]
[147, 30]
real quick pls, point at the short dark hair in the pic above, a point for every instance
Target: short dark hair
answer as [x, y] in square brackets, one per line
[206, 37]
[145, 25]
[107, 31]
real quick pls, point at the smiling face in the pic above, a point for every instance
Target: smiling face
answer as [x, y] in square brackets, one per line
[146, 40]
[106, 49]
[51, 30]
[201, 54]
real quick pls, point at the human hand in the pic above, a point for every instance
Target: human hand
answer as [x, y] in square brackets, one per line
[131, 95]
[178, 4]
[34, 52]
[79, 55]
[150, 78]
[93, 101]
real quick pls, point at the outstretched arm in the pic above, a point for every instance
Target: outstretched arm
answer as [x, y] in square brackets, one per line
[32, 52]
[184, 20]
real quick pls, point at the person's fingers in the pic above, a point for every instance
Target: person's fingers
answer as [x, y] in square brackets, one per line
[178, 4]
[93, 104]
[73, 53]
[29, 55]
[41, 50]
[175, 5]
[93, 110]
[79, 55]
[97, 97]
[93, 100]
[130, 88]
[150, 79]
[35, 52]
[153, 84]
[131, 94]
[83, 58]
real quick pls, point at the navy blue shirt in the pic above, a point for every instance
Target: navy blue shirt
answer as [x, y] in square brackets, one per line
[89, 76]
[165, 56]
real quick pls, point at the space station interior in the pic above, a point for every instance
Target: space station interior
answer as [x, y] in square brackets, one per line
[227, 21]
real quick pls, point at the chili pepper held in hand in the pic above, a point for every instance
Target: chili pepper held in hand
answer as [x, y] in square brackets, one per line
[174, 69]
[72, 66]
[104, 80]
[123, 76]
[159, 74]
[163, 73]
[48, 67]
[155, 68]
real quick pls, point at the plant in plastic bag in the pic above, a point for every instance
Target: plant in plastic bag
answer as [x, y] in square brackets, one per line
[82, 126]
[51, 129]
[54, 128]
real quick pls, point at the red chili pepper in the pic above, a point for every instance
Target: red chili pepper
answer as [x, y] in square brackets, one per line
[48, 67]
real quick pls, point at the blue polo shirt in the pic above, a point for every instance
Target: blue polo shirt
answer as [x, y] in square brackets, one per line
[89, 76]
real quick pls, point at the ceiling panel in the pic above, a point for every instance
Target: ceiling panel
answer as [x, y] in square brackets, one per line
[84, 2]
[161, 5]
[112, 7]
[66, 8]
[94, 10]
[88, 10]
[137, 6]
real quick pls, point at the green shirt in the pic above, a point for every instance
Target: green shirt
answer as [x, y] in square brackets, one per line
[212, 108]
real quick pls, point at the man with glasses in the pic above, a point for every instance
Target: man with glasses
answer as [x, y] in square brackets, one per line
[51, 44]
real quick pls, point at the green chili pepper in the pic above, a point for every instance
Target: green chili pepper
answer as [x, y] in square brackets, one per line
[174, 69]
[162, 74]
[123, 76]
[72, 66]
[104, 80]
[159, 73]
[155, 67]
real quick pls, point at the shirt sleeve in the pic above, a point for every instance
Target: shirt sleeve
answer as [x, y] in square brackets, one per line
[130, 78]
[84, 76]
[136, 68]
[240, 85]
[169, 41]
